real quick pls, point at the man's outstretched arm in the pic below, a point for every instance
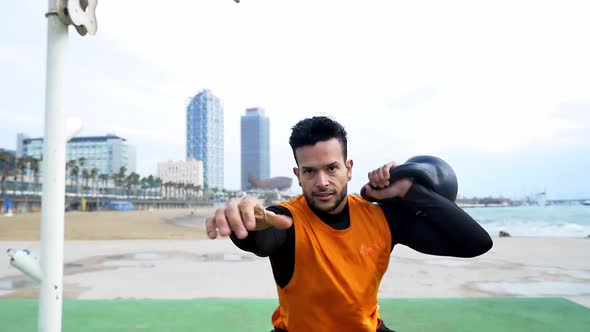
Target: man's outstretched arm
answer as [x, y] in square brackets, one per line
[250, 225]
[268, 241]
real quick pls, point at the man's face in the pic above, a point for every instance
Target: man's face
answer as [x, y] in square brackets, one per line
[323, 175]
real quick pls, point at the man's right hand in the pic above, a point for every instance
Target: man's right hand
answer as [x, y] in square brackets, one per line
[244, 214]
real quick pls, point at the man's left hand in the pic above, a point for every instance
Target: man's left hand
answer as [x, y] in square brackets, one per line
[379, 178]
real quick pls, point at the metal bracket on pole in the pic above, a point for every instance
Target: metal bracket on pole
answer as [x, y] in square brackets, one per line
[79, 13]
[26, 263]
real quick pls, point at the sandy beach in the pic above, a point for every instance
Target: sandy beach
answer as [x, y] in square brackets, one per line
[174, 224]
[164, 254]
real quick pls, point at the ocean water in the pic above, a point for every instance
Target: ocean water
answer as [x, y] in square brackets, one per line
[537, 221]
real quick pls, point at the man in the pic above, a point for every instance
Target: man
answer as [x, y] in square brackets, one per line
[329, 250]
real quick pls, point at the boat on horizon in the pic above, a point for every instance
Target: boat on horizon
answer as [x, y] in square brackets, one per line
[542, 198]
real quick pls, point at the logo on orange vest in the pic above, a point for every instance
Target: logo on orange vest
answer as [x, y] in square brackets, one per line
[371, 248]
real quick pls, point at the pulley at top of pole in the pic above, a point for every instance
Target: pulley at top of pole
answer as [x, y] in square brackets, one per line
[79, 13]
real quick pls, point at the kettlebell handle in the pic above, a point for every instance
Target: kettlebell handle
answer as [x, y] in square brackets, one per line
[431, 172]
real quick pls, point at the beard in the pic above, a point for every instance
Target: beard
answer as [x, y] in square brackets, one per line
[340, 197]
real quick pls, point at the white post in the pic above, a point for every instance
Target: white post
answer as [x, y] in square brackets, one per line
[54, 160]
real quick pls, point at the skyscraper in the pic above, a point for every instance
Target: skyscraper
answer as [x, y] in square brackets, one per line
[204, 136]
[255, 150]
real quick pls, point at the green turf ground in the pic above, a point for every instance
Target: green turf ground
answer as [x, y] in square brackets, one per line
[403, 315]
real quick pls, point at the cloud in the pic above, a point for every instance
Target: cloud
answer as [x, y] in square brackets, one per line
[494, 78]
[14, 119]
[146, 136]
[15, 57]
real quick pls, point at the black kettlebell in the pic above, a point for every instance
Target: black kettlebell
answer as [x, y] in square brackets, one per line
[431, 172]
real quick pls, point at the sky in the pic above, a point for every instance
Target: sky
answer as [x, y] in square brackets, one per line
[498, 89]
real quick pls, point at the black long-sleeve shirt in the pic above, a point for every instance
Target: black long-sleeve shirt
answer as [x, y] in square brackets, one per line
[423, 220]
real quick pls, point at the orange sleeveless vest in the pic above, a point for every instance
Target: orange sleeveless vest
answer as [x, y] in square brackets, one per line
[337, 272]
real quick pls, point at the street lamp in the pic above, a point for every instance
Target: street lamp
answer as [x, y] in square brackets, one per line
[48, 270]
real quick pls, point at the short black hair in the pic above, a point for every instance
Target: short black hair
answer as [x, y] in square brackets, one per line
[317, 129]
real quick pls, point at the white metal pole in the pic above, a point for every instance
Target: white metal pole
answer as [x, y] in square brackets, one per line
[54, 160]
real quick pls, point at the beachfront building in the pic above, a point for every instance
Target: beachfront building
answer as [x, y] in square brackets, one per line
[255, 146]
[182, 171]
[105, 153]
[204, 136]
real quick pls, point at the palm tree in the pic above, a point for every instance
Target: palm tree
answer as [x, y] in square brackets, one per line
[21, 169]
[19, 172]
[162, 186]
[7, 161]
[104, 178]
[119, 177]
[70, 164]
[144, 184]
[189, 190]
[181, 189]
[116, 181]
[195, 191]
[214, 190]
[199, 190]
[35, 166]
[150, 183]
[131, 182]
[158, 184]
[93, 176]
[74, 173]
[85, 179]
[82, 161]
[168, 185]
